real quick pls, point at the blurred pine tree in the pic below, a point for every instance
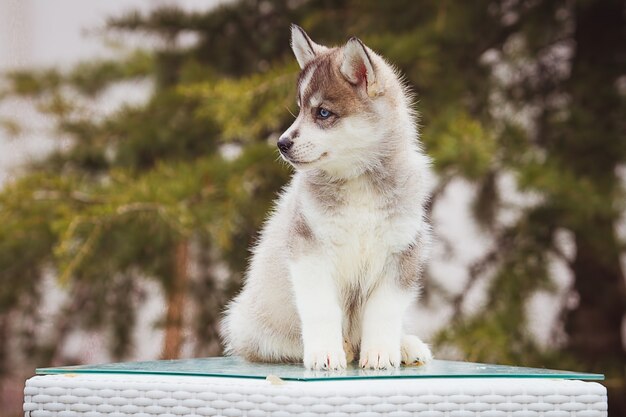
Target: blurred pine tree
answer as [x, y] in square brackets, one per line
[528, 89]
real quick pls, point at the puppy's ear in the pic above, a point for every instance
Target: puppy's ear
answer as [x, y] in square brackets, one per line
[357, 67]
[303, 47]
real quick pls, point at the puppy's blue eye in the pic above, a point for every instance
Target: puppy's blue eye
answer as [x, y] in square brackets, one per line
[322, 113]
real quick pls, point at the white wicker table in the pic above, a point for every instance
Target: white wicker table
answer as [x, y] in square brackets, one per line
[119, 395]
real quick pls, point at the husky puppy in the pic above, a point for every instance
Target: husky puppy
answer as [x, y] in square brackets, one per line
[338, 261]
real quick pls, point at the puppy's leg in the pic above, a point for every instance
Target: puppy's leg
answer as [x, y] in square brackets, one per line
[382, 326]
[317, 300]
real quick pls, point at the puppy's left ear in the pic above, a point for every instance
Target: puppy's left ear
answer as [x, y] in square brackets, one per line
[357, 67]
[303, 47]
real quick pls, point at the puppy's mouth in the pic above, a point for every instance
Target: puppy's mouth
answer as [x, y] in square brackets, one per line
[305, 163]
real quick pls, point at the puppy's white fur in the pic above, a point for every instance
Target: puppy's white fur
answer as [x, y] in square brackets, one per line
[338, 261]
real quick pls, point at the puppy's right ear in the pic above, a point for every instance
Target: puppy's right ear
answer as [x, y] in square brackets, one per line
[303, 47]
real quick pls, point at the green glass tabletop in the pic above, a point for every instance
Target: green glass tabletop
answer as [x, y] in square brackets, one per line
[234, 367]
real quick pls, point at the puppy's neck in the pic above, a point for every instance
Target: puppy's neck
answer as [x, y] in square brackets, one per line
[379, 176]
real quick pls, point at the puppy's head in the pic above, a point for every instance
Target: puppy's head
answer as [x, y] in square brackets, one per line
[343, 111]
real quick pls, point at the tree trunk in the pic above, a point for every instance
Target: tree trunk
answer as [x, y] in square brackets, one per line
[176, 304]
[594, 326]
[4, 341]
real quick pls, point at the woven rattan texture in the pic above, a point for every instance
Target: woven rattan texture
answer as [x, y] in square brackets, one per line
[171, 396]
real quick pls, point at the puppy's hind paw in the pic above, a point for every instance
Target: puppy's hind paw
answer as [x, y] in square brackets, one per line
[414, 351]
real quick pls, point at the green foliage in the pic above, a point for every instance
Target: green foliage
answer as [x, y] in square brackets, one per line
[247, 108]
[88, 78]
[461, 144]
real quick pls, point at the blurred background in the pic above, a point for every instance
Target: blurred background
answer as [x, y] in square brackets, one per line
[138, 162]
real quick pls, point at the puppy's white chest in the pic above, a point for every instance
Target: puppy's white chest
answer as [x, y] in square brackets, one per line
[359, 236]
[368, 222]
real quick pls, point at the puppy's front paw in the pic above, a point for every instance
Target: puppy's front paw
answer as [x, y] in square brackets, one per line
[325, 360]
[382, 358]
[414, 351]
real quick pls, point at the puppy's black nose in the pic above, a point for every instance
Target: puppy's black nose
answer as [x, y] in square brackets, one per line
[284, 144]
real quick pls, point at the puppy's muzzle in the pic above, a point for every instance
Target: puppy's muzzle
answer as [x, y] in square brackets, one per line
[284, 144]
